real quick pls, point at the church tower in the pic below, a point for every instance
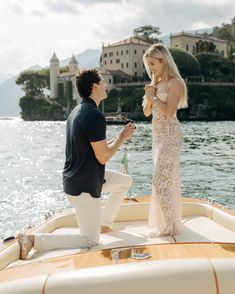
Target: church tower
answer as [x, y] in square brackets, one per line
[73, 65]
[54, 74]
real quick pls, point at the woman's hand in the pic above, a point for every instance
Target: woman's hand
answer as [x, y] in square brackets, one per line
[150, 92]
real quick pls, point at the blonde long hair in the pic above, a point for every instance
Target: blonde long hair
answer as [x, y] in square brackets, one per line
[159, 51]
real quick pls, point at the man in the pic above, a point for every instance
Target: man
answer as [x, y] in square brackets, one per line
[84, 174]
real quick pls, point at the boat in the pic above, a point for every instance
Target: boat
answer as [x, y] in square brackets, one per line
[199, 260]
[115, 120]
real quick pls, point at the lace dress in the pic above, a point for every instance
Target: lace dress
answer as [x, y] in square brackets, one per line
[165, 206]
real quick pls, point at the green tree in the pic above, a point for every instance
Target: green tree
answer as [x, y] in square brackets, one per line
[60, 90]
[33, 82]
[131, 99]
[216, 67]
[147, 34]
[32, 109]
[26, 105]
[224, 32]
[69, 91]
[188, 65]
[69, 95]
[227, 32]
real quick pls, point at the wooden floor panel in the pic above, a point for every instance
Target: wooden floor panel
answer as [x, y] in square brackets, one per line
[108, 257]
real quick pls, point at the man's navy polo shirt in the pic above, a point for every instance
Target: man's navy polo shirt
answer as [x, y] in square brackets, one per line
[82, 171]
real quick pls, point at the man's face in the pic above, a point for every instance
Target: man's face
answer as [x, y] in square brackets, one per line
[101, 89]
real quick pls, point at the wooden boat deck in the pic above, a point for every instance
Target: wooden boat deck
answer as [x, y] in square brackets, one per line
[104, 257]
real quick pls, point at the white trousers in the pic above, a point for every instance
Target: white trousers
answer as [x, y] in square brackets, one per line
[89, 215]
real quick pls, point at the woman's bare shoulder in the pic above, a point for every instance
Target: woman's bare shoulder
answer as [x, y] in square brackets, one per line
[175, 83]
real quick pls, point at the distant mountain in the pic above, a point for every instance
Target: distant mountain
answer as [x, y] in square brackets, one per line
[5, 76]
[88, 58]
[165, 40]
[10, 94]
[35, 67]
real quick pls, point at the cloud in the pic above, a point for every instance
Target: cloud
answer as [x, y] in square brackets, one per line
[38, 13]
[177, 15]
[90, 2]
[61, 6]
[76, 6]
[76, 25]
[17, 9]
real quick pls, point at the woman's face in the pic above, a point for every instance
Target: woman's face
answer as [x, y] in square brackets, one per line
[155, 66]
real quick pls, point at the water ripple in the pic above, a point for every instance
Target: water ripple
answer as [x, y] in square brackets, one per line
[32, 158]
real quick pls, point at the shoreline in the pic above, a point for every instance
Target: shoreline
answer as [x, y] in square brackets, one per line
[107, 114]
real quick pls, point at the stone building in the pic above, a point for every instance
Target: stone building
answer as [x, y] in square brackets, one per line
[199, 43]
[126, 55]
[122, 61]
[56, 77]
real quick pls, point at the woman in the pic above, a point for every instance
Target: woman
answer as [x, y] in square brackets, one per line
[166, 93]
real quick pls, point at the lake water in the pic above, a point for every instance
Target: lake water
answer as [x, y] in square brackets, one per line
[32, 159]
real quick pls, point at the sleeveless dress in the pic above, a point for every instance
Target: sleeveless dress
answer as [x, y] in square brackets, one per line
[165, 207]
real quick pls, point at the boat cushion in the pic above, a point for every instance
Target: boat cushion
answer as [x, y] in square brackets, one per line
[203, 229]
[134, 233]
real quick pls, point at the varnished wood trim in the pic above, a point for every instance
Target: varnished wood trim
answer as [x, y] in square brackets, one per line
[215, 277]
[44, 285]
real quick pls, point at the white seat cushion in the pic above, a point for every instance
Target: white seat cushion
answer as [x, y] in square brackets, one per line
[203, 229]
[135, 233]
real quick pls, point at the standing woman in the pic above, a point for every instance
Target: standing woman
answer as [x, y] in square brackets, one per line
[166, 93]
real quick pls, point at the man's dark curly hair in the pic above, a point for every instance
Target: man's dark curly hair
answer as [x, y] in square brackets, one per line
[84, 81]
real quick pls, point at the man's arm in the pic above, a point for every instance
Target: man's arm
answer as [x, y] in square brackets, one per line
[104, 150]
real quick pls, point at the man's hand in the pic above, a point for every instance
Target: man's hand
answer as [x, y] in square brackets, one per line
[104, 151]
[127, 131]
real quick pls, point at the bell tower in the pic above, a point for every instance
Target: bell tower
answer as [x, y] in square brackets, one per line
[73, 65]
[54, 74]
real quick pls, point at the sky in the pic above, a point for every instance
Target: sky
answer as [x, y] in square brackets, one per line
[30, 31]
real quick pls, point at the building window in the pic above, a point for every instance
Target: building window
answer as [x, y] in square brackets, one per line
[121, 65]
[135, 74]
[117, 60]
[135, 52]
[111, 54]
[121, 52]
[105, 55]
[111, 61]
[176, 45]
[222, 53]
[117, 53]
[135, 64]
[105, 62]
[144, 51]
[126, 51]
[110, 81]
[187, 47]
[127, 65]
